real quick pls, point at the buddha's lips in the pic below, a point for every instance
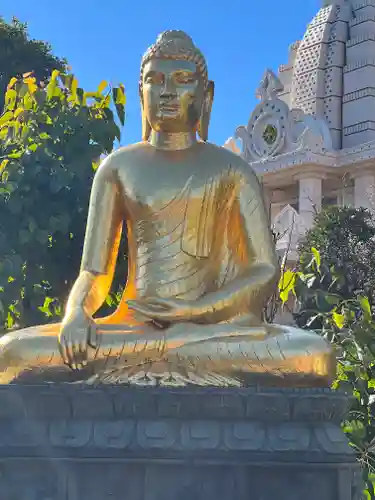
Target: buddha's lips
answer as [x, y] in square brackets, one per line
[170, 108]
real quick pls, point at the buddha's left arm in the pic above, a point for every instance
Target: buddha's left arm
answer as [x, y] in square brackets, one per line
[250, 291]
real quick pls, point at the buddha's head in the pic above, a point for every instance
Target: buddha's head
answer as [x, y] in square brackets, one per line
[176, 95]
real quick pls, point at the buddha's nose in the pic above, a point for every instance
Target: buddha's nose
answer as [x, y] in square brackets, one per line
[169, 89]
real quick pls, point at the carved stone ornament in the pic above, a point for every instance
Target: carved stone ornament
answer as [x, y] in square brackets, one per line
[73, 442]
[288, 225]
[275, 129]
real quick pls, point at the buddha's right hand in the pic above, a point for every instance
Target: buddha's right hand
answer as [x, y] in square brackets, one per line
[78, 332]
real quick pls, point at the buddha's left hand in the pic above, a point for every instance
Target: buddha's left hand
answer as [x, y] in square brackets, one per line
[165, 310]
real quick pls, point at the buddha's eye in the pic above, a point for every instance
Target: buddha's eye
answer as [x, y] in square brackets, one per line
[184, 78]
[154, 79]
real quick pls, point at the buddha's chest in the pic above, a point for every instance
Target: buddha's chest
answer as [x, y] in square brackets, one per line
[189, 206]
[160, 184]
[149, 190]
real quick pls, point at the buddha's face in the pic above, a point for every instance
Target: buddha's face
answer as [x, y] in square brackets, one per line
[173, 94]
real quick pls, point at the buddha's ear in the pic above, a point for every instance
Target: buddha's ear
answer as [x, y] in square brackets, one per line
[206, 111]
[146, 127]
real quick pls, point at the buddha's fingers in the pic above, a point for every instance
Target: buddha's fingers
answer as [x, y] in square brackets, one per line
[92, 338]
[70, 347]
[78, 355]
[63, 348]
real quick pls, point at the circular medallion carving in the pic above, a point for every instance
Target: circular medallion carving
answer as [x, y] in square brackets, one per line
[266, 129]
[270, 134]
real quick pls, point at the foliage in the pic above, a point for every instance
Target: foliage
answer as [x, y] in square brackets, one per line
[53, 137]
[349, 324]
[19, 55]
[345, 238]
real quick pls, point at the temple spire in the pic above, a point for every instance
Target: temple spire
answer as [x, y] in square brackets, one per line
[326, 3]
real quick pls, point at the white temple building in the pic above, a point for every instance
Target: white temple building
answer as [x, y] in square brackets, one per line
[311, 138]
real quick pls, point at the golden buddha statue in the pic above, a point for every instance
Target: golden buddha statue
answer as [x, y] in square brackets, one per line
[202, 261]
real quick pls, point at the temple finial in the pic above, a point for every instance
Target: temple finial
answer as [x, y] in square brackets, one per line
[269, 86]
[326, 3]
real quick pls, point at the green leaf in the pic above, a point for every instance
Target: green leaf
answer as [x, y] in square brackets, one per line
[46, 306]
[12, 83]
[121, 98]
[339, 320]
[18, 111]
[286, 284]
[366, 308]
[80, 95]
[66, 80]
[102, 85]
[44, 136]
[3, 164]
[55, 74]
[120, 113]
[73, 91]
[5, 118]
[317, 259]
[51, 87]
[28, 102]
[15, 154]
[4, 177]
[10, 98]
[10, 320]
[31, 85]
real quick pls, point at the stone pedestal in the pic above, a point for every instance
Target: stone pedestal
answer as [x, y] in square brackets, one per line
[68, 442]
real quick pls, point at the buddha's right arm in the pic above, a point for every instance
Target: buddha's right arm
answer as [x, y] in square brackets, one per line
[102, 239]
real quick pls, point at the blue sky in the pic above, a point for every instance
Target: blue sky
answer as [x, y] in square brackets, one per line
[105, 40]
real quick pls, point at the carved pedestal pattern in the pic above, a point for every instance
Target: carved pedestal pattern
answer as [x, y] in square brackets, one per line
[70, 442]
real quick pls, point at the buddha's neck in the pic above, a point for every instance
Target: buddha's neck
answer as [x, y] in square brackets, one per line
[172, 142]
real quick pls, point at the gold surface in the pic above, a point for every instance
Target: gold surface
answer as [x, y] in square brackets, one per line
[202, 261]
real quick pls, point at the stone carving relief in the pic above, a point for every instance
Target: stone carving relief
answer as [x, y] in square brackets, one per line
[157, 444]
[275, 129]
[288, 226]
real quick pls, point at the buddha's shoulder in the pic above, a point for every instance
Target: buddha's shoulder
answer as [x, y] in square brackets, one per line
[213, 157]
[127, 154]
[126, 157]
[221, 158]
